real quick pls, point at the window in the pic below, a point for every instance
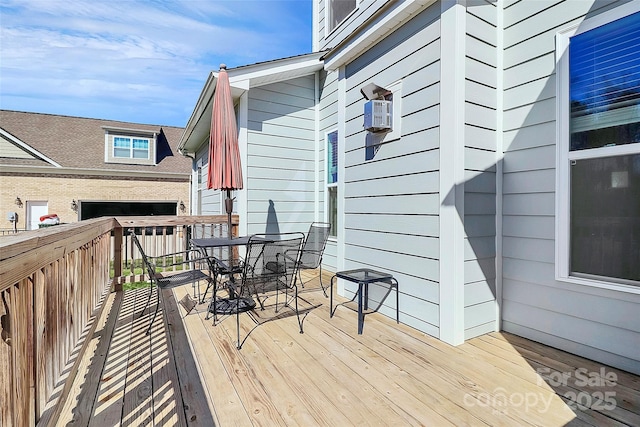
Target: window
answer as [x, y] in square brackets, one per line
[332, 181]
[130, 148]
[338, 11]
[599, 150]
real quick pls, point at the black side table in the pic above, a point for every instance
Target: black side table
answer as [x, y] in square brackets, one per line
[364, 276]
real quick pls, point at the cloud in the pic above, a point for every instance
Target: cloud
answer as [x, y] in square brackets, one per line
[60, 56]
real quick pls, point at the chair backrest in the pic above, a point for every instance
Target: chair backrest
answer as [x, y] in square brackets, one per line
[314, 244]
[205, 231]
[271, 258]
[151, 271]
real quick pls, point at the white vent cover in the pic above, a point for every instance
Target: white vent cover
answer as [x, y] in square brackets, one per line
[377, 115]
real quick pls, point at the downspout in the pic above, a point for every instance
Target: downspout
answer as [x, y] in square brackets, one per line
[194, 170]
[499, 161]
[316, 198]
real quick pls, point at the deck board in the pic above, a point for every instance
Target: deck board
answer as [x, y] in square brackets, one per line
[391, 375]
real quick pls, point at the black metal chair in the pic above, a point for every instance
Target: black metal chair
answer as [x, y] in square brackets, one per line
[218, 270]
[160, 281]
[270, 267]
[313, 250]
[217, 258]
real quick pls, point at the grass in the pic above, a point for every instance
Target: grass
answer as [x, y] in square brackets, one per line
[161, 265]
[134, 285]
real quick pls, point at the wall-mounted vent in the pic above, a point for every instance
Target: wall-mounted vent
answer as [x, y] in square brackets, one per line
[377, 115]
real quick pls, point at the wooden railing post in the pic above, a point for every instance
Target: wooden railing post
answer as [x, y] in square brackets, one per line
[117, 259]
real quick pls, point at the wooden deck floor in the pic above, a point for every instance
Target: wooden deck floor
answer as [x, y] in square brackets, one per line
[189, 372]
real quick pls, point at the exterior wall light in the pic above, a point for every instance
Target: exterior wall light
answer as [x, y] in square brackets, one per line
[74, 206]
[18, 202]
[182, 206]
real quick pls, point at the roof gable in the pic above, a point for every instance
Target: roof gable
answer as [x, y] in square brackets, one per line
[79, 143]
[13, 148]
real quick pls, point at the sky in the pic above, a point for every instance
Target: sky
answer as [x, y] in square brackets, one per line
[135, 60]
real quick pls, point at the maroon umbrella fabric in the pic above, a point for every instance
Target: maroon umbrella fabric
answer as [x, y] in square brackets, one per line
[224, 169]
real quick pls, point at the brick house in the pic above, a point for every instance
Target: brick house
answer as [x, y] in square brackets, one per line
[81, 168]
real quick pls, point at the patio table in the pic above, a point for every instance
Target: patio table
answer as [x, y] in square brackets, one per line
[232, 304]
[363, 277]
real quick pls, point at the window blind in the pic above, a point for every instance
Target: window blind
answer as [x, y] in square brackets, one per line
[605, 77]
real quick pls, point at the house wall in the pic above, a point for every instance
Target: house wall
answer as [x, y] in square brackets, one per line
[210, 201]
[363, 11]
[10, 150]
[60, 190]
[391, 202]
[480, 122]
[281, 153]
[328, 122]
[597, 323]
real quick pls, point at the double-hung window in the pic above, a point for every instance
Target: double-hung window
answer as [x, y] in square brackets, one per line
[598, 174]
[332, 182]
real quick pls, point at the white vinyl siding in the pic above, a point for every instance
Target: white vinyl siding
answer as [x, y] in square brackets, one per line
[595, 323]
[10, 150]
[399, 186]
[280, 181]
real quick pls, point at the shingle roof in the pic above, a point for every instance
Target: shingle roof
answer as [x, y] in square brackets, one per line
[76, 142]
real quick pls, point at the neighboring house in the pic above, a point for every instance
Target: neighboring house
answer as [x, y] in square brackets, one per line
[81, 168]
[506, 194]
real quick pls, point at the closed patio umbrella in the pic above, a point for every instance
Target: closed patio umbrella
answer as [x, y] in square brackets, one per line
[224, 169]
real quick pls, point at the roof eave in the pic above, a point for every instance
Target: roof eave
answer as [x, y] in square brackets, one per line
[241, 80]
[367, 34]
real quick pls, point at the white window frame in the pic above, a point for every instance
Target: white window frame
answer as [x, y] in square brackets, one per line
[131, 148]
[564, 156]
[330, 185]
[327, 17]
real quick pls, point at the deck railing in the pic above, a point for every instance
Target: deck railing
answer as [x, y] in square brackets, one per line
[53, 283]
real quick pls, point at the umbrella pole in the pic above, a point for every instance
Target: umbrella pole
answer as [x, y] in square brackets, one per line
[229, 207]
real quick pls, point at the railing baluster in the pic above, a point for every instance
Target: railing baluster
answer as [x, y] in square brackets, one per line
[51, 282]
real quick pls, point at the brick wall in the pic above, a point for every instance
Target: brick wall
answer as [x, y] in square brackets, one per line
[59, 191]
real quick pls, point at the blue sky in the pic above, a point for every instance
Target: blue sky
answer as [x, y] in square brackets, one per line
[136, 61]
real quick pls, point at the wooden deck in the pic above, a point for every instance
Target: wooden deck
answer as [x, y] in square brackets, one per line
[189, 372]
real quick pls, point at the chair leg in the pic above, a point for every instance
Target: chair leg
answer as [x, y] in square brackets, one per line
[209, 283]
[297, 312]
[324, 291]
[238, 326]
[148, 299]
[155, 313]
[212, 303]
[299, 276]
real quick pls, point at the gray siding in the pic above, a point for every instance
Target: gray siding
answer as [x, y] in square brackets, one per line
[280, 179]
[363, 11]
[480, 172]
[210, 200]
[391, 200]
[596, 323]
